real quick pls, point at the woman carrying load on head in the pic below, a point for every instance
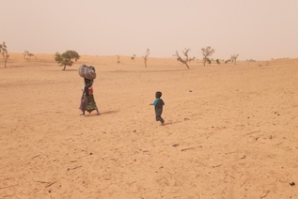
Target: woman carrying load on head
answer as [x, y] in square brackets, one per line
[87, 101]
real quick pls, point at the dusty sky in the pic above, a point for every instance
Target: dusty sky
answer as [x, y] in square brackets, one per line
[254, 29]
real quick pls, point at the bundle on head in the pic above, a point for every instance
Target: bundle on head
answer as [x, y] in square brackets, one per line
[87, 72]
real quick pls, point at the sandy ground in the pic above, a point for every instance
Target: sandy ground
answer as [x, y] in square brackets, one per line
[230, 131]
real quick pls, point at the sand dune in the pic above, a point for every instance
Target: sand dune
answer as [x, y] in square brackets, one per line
[230, 131]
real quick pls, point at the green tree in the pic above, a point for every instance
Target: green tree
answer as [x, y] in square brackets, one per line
[66, 58]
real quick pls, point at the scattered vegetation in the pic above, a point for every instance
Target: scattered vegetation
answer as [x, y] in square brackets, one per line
[207, 52]
[66, 58]
[133, 57]
[207, 60]
[186, 59]
[147, 53]
[4, 52]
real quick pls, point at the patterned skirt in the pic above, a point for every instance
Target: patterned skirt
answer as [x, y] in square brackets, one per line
[88, 104]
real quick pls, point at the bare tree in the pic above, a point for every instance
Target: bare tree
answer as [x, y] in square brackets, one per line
[234, 58]
[207, 52]
[118, 59]
[4, 52]
[28, 55]
[25, 54]
[186, 59]
[147, 53]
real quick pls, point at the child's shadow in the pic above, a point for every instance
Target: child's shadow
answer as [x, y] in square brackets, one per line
[171, 122]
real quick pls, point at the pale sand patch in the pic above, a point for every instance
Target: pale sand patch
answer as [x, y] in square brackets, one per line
[231, 130]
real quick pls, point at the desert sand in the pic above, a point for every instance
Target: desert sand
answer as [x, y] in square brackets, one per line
[230, 130]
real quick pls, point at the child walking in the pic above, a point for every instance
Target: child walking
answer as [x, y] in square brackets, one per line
[158, 103]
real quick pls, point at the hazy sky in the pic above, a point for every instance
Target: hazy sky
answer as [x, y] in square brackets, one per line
[254, 29]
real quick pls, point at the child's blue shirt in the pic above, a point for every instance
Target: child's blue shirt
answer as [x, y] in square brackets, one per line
[156, 101]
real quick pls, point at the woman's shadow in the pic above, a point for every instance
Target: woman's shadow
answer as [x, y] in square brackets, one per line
[109, 112]
[102, 113]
